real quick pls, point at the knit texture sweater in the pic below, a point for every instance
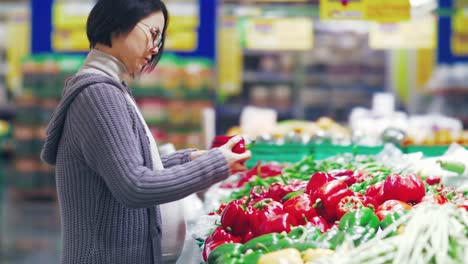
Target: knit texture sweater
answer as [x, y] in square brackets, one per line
[109, 193]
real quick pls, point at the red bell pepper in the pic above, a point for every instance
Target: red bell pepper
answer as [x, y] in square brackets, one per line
[262, 170]
[463, 205]
[433, 180]
[218, 141]
[391, 206]
[262, 211]
[217, 238]
[236, 217]
[278, 224]
[220, 210]
[353, 203]
[439, 188]
[297, 185]
[376, 191]
[348, 176]
[317, 180]
[408, 188]
[328, 197]
[435, 199]
[277, 191]
[320, 222]
[301, 207]
[267, 170]
[258, 192]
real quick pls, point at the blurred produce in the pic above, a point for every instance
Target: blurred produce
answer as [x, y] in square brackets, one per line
[172, 97]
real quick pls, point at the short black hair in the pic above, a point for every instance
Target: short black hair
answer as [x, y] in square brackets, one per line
[113, 17]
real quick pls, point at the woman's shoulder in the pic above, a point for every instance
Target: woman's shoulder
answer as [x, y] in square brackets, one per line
[94, 86]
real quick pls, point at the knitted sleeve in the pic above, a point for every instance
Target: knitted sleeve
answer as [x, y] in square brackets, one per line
[109, 146]
[176, 158]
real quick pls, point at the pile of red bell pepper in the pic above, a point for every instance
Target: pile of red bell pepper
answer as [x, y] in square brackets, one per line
[322, 200]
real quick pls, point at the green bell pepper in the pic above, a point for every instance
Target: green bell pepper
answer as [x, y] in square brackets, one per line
[361, 225]
[332, 238]
[252, 257]
[298, 233]
[262, 242]
[302, 246]
[283, 243]
[226, 259]
[228, 250]
[389, 220]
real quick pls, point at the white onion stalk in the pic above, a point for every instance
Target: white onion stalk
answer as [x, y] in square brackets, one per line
[426, 239]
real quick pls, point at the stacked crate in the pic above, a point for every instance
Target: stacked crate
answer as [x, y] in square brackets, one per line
[43, 81]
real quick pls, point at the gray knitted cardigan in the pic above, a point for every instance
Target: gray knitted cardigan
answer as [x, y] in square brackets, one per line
[108, 192]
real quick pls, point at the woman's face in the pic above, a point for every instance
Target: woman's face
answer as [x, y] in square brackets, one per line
[137, 47]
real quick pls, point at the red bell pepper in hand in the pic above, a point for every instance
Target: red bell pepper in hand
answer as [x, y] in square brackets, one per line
[317, 180]
[301, 207]
[218, 141]
[328, 197]
[391, 206]
[278, 224]
[236, 217]
[217, 238]
[353, 203]
[408, 188]
[262, 211]
[376, 191]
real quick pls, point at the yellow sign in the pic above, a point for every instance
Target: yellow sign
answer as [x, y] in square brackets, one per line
[387, 11]
[461, 3]
[279, 34]
[460, 44]
[419, 33]
[182, 34]
[460, 22]
[342, 9]
[70, 15]
[70, 40]
[229, 56]
[426, 59]
[18, 45]
[181, 39]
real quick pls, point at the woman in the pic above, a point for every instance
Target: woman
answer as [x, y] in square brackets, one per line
[110, 177]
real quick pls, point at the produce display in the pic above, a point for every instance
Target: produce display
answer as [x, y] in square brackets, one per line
[344, 209]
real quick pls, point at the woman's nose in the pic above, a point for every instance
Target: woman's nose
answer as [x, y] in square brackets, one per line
[154, 50]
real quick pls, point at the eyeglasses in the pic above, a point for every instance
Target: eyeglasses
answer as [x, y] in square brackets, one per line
[155, 35]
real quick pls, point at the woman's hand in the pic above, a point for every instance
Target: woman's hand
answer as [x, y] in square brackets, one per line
[235, 161]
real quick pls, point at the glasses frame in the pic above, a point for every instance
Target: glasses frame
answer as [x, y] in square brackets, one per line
[156, 36]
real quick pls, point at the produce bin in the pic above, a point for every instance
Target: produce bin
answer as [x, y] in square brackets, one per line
[281, 153]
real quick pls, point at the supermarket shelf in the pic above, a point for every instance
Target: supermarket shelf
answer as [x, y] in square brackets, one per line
[35, 194]
[450, 91]
[251, 52]
[235, 111]
[296, 8]
[7, 112]
[266, 77]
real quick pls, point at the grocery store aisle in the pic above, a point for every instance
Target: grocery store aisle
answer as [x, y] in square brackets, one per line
[30, 230]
